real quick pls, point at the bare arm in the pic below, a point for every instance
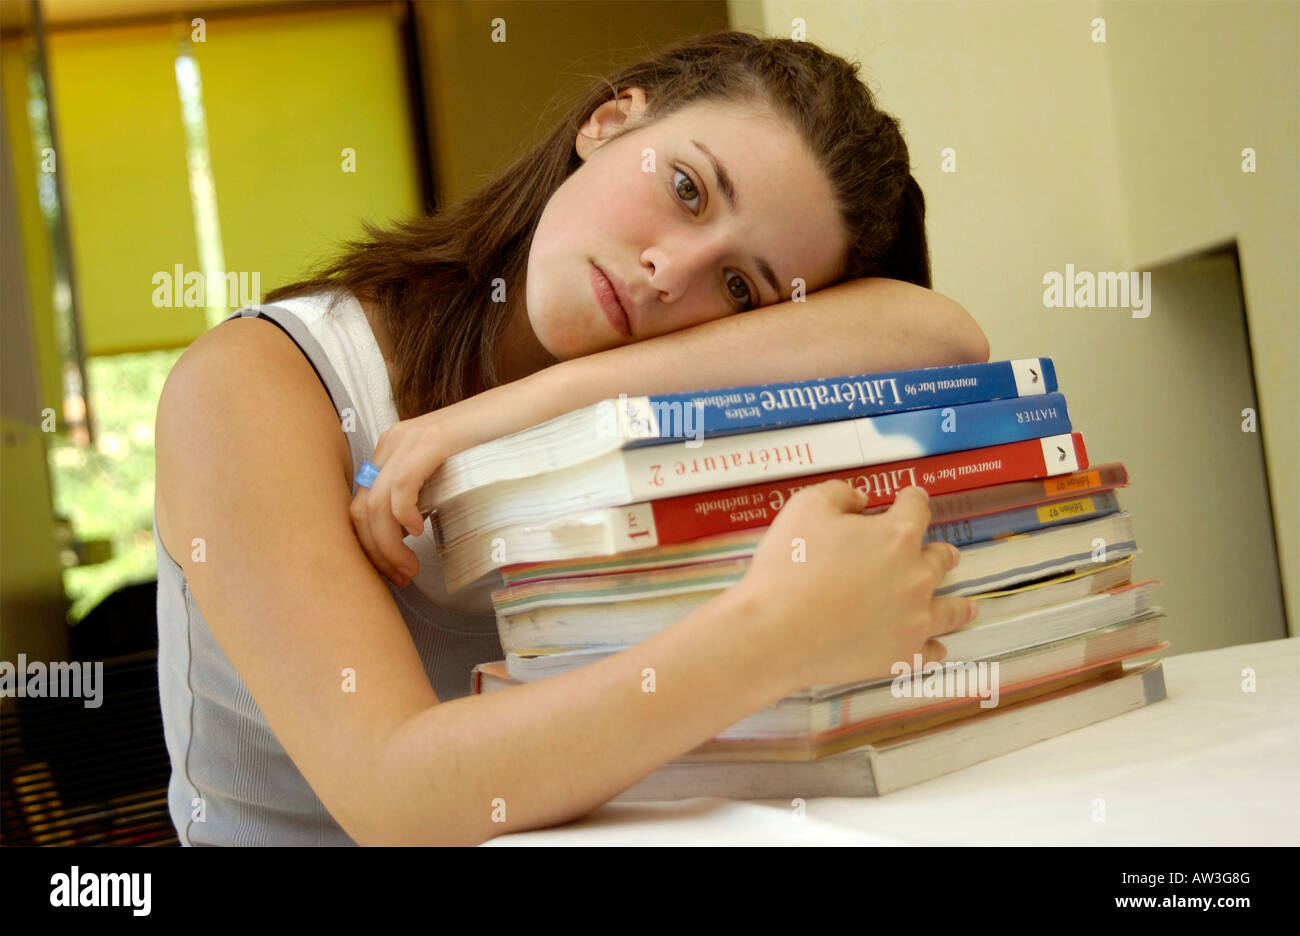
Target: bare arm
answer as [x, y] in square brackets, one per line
[554, 750]
[293, 602]
[858, 327]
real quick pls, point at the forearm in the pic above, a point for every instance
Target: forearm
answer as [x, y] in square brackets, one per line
[859, 327]
[548, 752]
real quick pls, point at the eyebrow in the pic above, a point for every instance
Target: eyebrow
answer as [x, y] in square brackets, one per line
[728, 189]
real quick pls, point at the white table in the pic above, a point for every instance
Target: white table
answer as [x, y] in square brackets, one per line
[1210, 764]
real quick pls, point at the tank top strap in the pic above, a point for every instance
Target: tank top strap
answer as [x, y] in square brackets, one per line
[360, 444]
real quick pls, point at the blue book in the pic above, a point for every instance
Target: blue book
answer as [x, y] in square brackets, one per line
[646, 473]
[633, 422]
[1023, 519]
[666, 417]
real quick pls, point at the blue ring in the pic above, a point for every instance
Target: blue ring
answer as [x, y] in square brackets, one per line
[367, 474]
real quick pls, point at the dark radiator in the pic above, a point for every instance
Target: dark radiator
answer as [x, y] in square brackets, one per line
[71, 775]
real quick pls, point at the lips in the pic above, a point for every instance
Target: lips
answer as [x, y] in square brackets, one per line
[607, 297]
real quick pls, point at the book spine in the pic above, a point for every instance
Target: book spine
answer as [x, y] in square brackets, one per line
[682, 519]
[976, 502]
[718, 522]
[1023, 520]
[658, 418]
[675, 468]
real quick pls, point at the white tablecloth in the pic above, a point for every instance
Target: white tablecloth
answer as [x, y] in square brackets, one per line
[1210, 764]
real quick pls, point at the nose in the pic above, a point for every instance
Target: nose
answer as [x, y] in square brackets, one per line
[687, 264]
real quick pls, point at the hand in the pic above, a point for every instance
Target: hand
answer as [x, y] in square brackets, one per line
[407, 454]
[410, 452]
[860, 597]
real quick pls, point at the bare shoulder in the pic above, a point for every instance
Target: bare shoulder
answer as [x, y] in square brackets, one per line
[253, 468]
[233, 378]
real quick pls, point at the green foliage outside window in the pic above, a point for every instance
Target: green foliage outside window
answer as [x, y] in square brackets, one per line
[106, 490]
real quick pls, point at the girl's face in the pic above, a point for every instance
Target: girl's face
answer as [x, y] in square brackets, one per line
[709, 212]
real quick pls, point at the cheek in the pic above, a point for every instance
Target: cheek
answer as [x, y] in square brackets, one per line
[546, 259]
[558, 309]
[577, 221]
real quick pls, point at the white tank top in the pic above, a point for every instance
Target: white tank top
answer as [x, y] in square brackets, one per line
[346, 338]
[232, 782]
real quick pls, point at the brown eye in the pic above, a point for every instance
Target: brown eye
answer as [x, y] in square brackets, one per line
[685, 187]
[739, 281]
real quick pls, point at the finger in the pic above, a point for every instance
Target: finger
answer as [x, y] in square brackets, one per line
[950, 614]
[388, 450]
[942, 558]
[385, 445]
[933, 652]
[361, 509]
[843, 496]
[911, 507]
[361, 526]
[385, 532]
[413, 462]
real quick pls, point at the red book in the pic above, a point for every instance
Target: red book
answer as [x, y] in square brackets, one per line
[961, 484]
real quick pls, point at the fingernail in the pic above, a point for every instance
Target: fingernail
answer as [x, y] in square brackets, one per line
[956, 554]
[974, 611]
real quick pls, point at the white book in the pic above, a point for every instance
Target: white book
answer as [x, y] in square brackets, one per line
[626, 608]
[878, 769]
[544, 491]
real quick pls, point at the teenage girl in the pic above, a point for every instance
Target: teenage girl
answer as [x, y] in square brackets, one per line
[734, 210]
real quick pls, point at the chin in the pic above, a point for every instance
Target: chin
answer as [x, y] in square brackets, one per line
[558, 347]
[567, 337]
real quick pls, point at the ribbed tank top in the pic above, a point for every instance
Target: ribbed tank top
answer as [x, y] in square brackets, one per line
[232, 783]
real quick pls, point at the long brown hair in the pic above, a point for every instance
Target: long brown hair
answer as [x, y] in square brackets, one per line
[432, 277]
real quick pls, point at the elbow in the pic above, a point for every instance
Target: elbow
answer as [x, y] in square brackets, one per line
[979, 348]
[971, 346]
[944, 326]
[407, 798]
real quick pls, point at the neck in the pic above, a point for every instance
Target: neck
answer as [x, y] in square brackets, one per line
[521, 353]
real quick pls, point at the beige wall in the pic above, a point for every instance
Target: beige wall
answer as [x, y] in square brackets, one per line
[1121, 156]
[1192, 85]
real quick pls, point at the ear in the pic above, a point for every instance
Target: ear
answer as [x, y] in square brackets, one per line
[607, 118]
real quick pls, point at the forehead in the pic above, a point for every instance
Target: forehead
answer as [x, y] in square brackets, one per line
[785, 205]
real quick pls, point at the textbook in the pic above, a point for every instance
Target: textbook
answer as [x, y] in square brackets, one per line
[628, 422]
[979, 641]
[961, 517]
[715, 557]
[537, 662]
[988, 475]
[811, 725]
[879, 769]
[614, 522]
[657, 471]
[624, 608]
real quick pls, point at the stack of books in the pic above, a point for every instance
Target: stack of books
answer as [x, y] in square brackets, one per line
[610, 523]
